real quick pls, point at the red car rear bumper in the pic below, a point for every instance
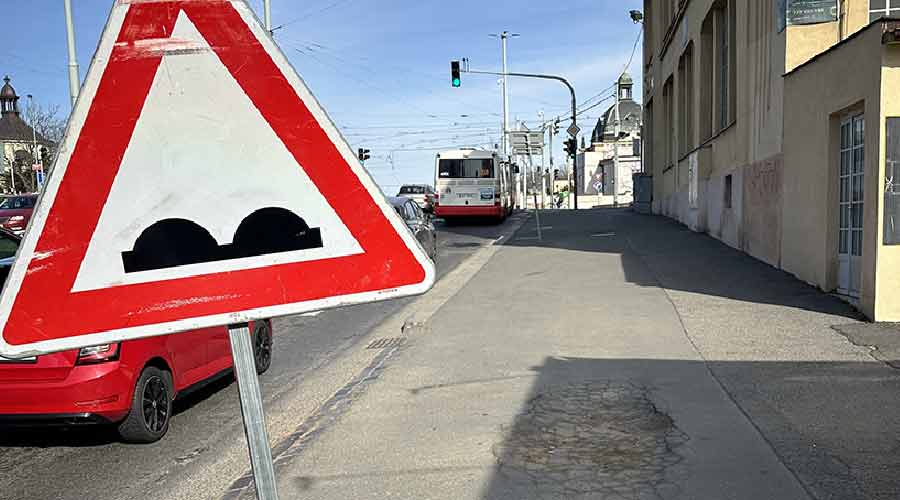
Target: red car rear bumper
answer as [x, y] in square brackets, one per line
[88, 392]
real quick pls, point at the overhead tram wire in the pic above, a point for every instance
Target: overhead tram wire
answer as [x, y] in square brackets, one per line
[331, 52]
[613, 85]
[368, 85]
[311, 13]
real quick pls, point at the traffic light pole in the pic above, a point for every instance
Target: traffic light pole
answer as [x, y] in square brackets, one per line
[574, 105]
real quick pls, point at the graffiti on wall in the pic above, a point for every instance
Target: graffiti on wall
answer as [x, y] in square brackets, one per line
[762, 203]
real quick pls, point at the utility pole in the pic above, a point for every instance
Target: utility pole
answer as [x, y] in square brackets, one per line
[34, 149]
[74, 79]
[267, 10]
[503, 36]
[615, 175]
[12, 173]
[553, 128]
[523, 174]
[543, 164]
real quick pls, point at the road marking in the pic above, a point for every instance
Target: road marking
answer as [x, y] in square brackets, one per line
[602, 235]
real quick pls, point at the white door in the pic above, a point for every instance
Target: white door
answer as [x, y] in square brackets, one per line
[851, 202]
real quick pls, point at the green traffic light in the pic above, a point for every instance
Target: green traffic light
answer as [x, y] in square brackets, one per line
[456, 82]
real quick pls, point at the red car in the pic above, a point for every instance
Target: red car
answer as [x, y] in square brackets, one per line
[130, 384]
[15, 212]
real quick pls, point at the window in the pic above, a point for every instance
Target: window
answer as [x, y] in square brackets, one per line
[883, 8]
[17, 202]
[851, 194]
[686, 100]
[8, 247]
[466, 169]
[725, 54]
[722, 66]
[409, 211]
[412, 190]
[892, 183]
[648, 135]
[728, 196]
[706, 78]
[718, 69]
[669, 123]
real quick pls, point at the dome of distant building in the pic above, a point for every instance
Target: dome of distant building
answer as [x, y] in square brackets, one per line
[629, 114]
[12, 128]
[7, 91]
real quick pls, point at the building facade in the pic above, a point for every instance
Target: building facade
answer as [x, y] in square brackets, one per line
[20, 146]
[756, 117]
[595, 165]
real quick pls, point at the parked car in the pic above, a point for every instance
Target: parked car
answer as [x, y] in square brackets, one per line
[422, 194]
[418, 222]
[129, 384]
[15, 212]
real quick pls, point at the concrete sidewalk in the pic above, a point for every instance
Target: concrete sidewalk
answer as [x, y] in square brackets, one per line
[620, 357]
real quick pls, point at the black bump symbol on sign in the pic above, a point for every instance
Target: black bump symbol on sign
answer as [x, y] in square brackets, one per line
[179, 242]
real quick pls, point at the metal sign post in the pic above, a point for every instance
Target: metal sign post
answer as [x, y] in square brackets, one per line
[252, 411]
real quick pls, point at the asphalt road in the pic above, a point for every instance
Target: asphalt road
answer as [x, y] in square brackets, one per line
[81, 463]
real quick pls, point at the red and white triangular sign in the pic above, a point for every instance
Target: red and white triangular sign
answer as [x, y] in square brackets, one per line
[199, 183]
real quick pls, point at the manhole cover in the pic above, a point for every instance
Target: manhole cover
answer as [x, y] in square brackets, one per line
[385, 343]
[592, 438]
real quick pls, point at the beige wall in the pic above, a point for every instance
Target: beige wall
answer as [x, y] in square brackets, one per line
[817, 97]
[804, 42]
[782, 149]
[752, 142]
[887, 283]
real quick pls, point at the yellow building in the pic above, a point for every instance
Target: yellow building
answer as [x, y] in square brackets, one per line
[755, 132]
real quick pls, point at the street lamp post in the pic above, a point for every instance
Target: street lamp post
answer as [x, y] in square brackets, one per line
[34, 150]
[503, 36]
[74, 84]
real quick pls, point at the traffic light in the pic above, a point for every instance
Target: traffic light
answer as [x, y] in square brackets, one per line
[362, 154]
[571, 147]
[454, 74]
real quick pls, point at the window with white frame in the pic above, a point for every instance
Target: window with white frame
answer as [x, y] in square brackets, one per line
[883, 8]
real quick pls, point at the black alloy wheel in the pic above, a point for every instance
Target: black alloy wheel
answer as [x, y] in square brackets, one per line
[262, 345]
[151, 407]
[155, 404]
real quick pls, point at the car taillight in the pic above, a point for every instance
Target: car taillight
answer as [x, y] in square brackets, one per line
[15, 220]
[98, 354]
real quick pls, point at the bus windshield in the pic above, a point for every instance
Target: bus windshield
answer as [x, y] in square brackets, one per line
[466, 169]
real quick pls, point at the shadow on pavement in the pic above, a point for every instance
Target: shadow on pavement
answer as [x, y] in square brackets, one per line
[677, 258]
[76, 436]
[648, 429]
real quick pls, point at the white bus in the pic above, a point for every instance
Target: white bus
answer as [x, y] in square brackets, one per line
[473, 183]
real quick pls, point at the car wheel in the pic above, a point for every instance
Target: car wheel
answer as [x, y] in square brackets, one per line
[151, 407]
[262, 345]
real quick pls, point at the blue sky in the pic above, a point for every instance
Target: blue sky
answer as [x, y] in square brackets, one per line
[381, 68]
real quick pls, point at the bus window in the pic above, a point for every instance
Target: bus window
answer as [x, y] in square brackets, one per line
[466, 169]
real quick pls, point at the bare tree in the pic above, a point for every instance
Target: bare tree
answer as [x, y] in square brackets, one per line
[47, 122]
[50, 128]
